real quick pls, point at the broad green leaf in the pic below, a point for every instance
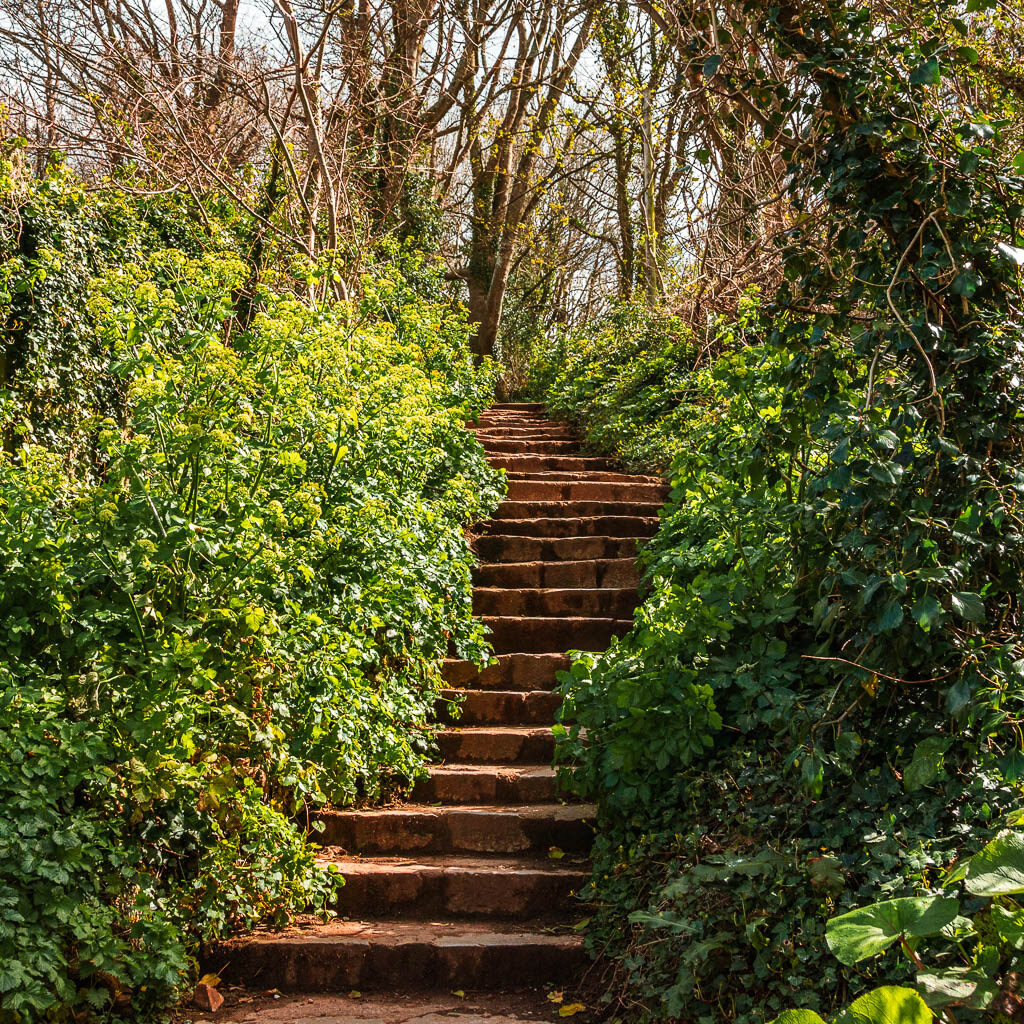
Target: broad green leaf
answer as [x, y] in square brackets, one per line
[968, 606]
[1011, 252]
[886, 472]
[1011, 765]
[864, 932]
[890, 616]
[958, 929]
[890, 1004]
[943, 988]
[998, 870]
[1009, 926]
[798, 1017]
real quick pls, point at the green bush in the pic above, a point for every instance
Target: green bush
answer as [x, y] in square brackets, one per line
[820, 702]
[235, 608]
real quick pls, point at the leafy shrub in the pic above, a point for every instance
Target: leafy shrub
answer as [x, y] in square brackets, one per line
[236, 610]
[978, 976]
[820, 701]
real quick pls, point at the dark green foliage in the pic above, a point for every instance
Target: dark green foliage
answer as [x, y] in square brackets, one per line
[820, 704]
[236, 607]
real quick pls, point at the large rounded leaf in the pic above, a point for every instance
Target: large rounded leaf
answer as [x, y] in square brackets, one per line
[887, 1005]
[798, 1017]
[998, 870]
[868, 930]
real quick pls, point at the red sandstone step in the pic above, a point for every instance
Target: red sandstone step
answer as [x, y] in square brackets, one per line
[345, 955]
[526, 406]
[508, 672]
[518, 420]
[574, 509]
[539, 446]
[512, 634]
[593, 572]
[485, 828]
[525, 434]
[487, 784]
[499, 707]
[586, 490]
[495, 744]
[464, 886]
[530, 550]
[607, 602]
[569, 526]
[584, 476]
[550, 462]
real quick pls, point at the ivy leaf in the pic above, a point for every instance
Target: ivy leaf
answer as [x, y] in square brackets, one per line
[927, 763]
[998, 870]
[1011, 252]
[968, 605]
[798, 1017]
[890, 616]
[1012, 766]
[826, 874]
[927, 612]
[927, 73]
[890, 1004]
[886, 472]
[869, 930]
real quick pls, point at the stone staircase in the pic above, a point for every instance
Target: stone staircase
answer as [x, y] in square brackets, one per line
[470, 885]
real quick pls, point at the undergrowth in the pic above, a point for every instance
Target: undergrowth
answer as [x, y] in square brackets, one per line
[233, 557]
[821, 702]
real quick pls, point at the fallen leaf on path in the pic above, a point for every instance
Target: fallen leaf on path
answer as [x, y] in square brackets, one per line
[556, 997]
[570, 1009]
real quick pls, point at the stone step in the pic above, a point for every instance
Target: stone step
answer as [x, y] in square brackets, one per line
[604, 491]
[507, 672]
[541, 635]
[539, 446]
[487, 784]
[589, 475]
[495, 744]
[594, 572]
[463, 886]
[372, 956]
[525, 406]
[488, 433]
[485, 828]
[606, 602]
[570, 511]
[519, 420]
[498, 707]
[574, 526]
[525, 463]
[530, 550]
[574, 509]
